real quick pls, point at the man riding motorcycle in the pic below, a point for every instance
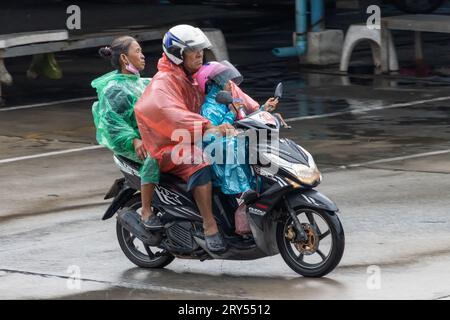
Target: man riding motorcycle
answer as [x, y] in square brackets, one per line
[172, 101]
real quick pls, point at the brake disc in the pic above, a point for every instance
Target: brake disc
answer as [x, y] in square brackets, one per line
[307, 247]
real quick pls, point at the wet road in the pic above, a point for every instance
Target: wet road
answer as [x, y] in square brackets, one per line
[382, 144]
[395, 213]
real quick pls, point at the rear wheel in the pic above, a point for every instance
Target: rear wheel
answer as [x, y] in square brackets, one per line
[136, 251]
[323, 249]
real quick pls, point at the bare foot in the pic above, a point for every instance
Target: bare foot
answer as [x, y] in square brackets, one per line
[146, 213]
[210, 229]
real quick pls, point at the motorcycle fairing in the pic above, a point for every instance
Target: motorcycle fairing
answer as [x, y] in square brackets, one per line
[310, 198]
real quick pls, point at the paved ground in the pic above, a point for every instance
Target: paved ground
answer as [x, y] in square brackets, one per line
[382, 143]
[395, 213]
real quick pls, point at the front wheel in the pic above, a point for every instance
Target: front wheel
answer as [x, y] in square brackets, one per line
[321, 252]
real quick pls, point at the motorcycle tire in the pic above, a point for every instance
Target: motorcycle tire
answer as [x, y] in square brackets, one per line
[332, 259]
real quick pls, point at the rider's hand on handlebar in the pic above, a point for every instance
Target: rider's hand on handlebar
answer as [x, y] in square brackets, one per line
[139, 148]
[232, 108]
[235, 106]
[271, 104]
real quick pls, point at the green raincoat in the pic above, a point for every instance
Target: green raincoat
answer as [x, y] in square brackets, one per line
[115, 120]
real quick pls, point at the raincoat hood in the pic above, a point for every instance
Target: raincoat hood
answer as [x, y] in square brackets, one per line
[165, 65]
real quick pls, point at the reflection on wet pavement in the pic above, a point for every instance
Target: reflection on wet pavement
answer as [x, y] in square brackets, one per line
[387, 133]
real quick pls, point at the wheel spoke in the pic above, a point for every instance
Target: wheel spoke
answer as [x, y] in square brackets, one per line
[131, 238]
[325, 234]
[300, 257]
[149, 252]
[312, 222]
[321, 254]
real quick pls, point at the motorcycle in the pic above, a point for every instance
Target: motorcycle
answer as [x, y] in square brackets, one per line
[286, 215]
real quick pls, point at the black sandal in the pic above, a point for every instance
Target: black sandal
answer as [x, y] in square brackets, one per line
[152, 223]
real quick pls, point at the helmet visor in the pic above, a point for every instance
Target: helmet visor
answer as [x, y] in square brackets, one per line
[193, 48]
[225, 74]
[200, 43]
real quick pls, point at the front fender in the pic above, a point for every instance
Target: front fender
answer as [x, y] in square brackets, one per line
[310, 199]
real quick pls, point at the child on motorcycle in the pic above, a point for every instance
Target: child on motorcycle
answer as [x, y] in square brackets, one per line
[233, 177]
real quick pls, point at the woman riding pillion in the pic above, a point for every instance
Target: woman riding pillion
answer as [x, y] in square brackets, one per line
[115, 120]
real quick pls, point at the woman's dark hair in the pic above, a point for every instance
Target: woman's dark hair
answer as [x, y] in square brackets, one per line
[118, 46]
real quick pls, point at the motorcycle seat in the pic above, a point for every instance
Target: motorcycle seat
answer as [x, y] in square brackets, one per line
[129, 162]
[171, 180]
[165, 178]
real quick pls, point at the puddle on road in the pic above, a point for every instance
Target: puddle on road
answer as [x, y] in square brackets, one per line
[297, 102]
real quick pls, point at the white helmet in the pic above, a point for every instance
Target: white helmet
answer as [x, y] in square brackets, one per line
[182, 37]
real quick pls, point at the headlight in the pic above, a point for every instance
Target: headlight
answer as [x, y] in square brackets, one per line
[307, 175]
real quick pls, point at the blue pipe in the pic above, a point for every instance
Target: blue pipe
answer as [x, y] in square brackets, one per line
[301, 27]
[317, 15]
[301, 16]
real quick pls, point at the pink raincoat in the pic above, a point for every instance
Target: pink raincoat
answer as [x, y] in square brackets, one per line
[250, 105]
[171, 101]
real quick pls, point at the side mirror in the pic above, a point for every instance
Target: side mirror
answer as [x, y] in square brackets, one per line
[224, 97]
[279, 90]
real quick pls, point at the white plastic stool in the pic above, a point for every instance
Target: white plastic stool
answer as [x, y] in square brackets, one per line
[360, 32]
